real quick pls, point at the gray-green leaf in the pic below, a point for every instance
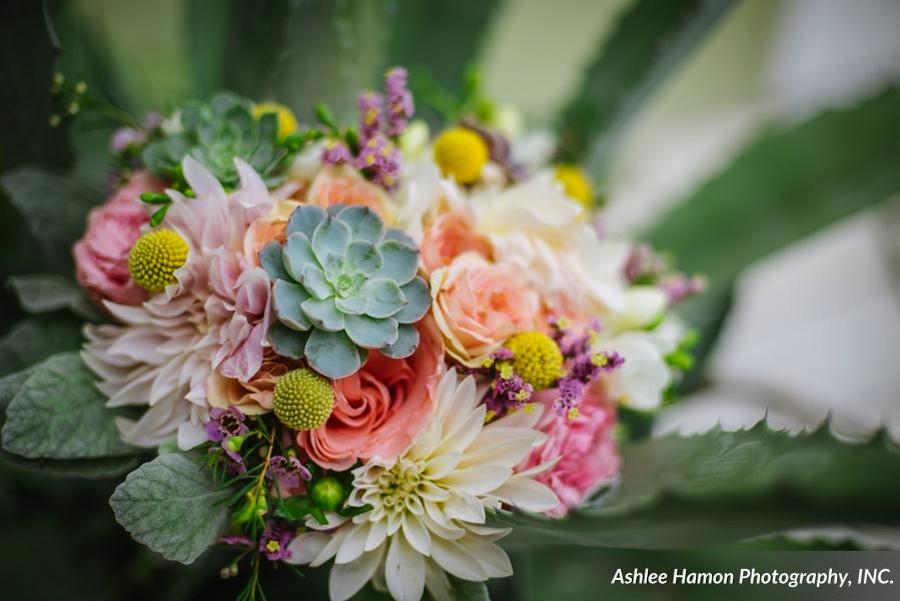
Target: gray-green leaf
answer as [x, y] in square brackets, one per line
[59, 414]
[43, 293]
[173, 506]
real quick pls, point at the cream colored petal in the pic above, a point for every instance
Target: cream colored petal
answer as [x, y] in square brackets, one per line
[347, 579]
[404, 571]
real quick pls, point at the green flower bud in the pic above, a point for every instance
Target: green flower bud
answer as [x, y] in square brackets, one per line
[327, 493]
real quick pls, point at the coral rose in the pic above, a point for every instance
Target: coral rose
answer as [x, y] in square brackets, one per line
[101, 256]
[478, 305]
[451, 235]
[584, 450]
[380, 409]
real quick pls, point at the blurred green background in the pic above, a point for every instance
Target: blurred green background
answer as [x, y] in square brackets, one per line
[725, 131]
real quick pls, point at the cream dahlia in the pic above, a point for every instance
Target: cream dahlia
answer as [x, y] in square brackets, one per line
[428, 505]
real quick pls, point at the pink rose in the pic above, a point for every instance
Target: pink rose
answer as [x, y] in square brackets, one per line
[451, 235]
[588, 456]
[478, 305]
[381, 408]
[101, 256]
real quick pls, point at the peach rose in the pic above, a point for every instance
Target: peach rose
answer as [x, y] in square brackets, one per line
[253, 397]
[380, 409]
[268, 228]
[101, 256]
[478, 305]
[451, 235]
[336, 185]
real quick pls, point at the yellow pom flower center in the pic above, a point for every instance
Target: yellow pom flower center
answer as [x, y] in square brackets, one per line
[287, 122]
[154, 259]
[461, 154]
[303, 400]
[576, 184]
[536, 359]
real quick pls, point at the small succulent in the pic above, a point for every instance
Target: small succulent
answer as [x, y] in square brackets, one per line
[344, 284]
[216, 133]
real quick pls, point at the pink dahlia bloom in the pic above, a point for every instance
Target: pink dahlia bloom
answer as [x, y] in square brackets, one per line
[213, 318]
[101, 256]
[381, 408]
[583, 450]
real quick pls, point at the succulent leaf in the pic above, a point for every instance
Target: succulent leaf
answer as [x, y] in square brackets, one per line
[288, 300]
[365, 256]
[324, 314]
[331, 236]
[332, 354]
[304, 219]
[296, 253]
[314, 280]
[407, 341]
[401, 262]
[364, 223]
[287, 342]
[372, 333]
[385, 297]
[418, 301]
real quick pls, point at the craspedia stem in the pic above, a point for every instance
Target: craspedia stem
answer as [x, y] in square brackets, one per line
[154, 259]
[303, 400]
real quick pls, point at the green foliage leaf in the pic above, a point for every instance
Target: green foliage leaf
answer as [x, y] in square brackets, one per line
[717, 487]
[173, 506]
[44, 293]
[786, 185]
[55, 207]
[59, 414]
[650, 41]
[36, 338]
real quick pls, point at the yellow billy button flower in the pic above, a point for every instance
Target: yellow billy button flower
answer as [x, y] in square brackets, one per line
[461, 154]
[536, 359]
[287, 122]
[154, 259]
[576, 184]
[303, 400]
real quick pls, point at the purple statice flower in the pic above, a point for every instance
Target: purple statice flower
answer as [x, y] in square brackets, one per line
[381, 159]
[126, 137]
[581, 364]
[371, 115]
[399, 101]
[508, 391]
[679, 287]
[289, 471]
[336, 153]
[643, 265]
[275, 540]
[227, 427]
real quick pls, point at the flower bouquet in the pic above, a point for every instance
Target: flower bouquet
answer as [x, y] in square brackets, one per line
[349, 343]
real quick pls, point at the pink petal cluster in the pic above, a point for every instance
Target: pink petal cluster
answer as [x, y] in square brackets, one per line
[584, 451]
[101, 256]
[381, 408]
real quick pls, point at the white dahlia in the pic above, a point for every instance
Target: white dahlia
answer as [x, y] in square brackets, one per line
[213, 316]
[428, 505]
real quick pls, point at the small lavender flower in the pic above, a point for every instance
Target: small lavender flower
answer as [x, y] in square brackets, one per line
[371, 117]
[679, 287]
[227, 427]
[275, 540]
[336, 153]
[288, 470]
[643, 265]
[400, 101]
[382, 160]
[126, 137]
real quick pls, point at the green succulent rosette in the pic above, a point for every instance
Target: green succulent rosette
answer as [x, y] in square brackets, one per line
[215, 133]
[344, 284]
